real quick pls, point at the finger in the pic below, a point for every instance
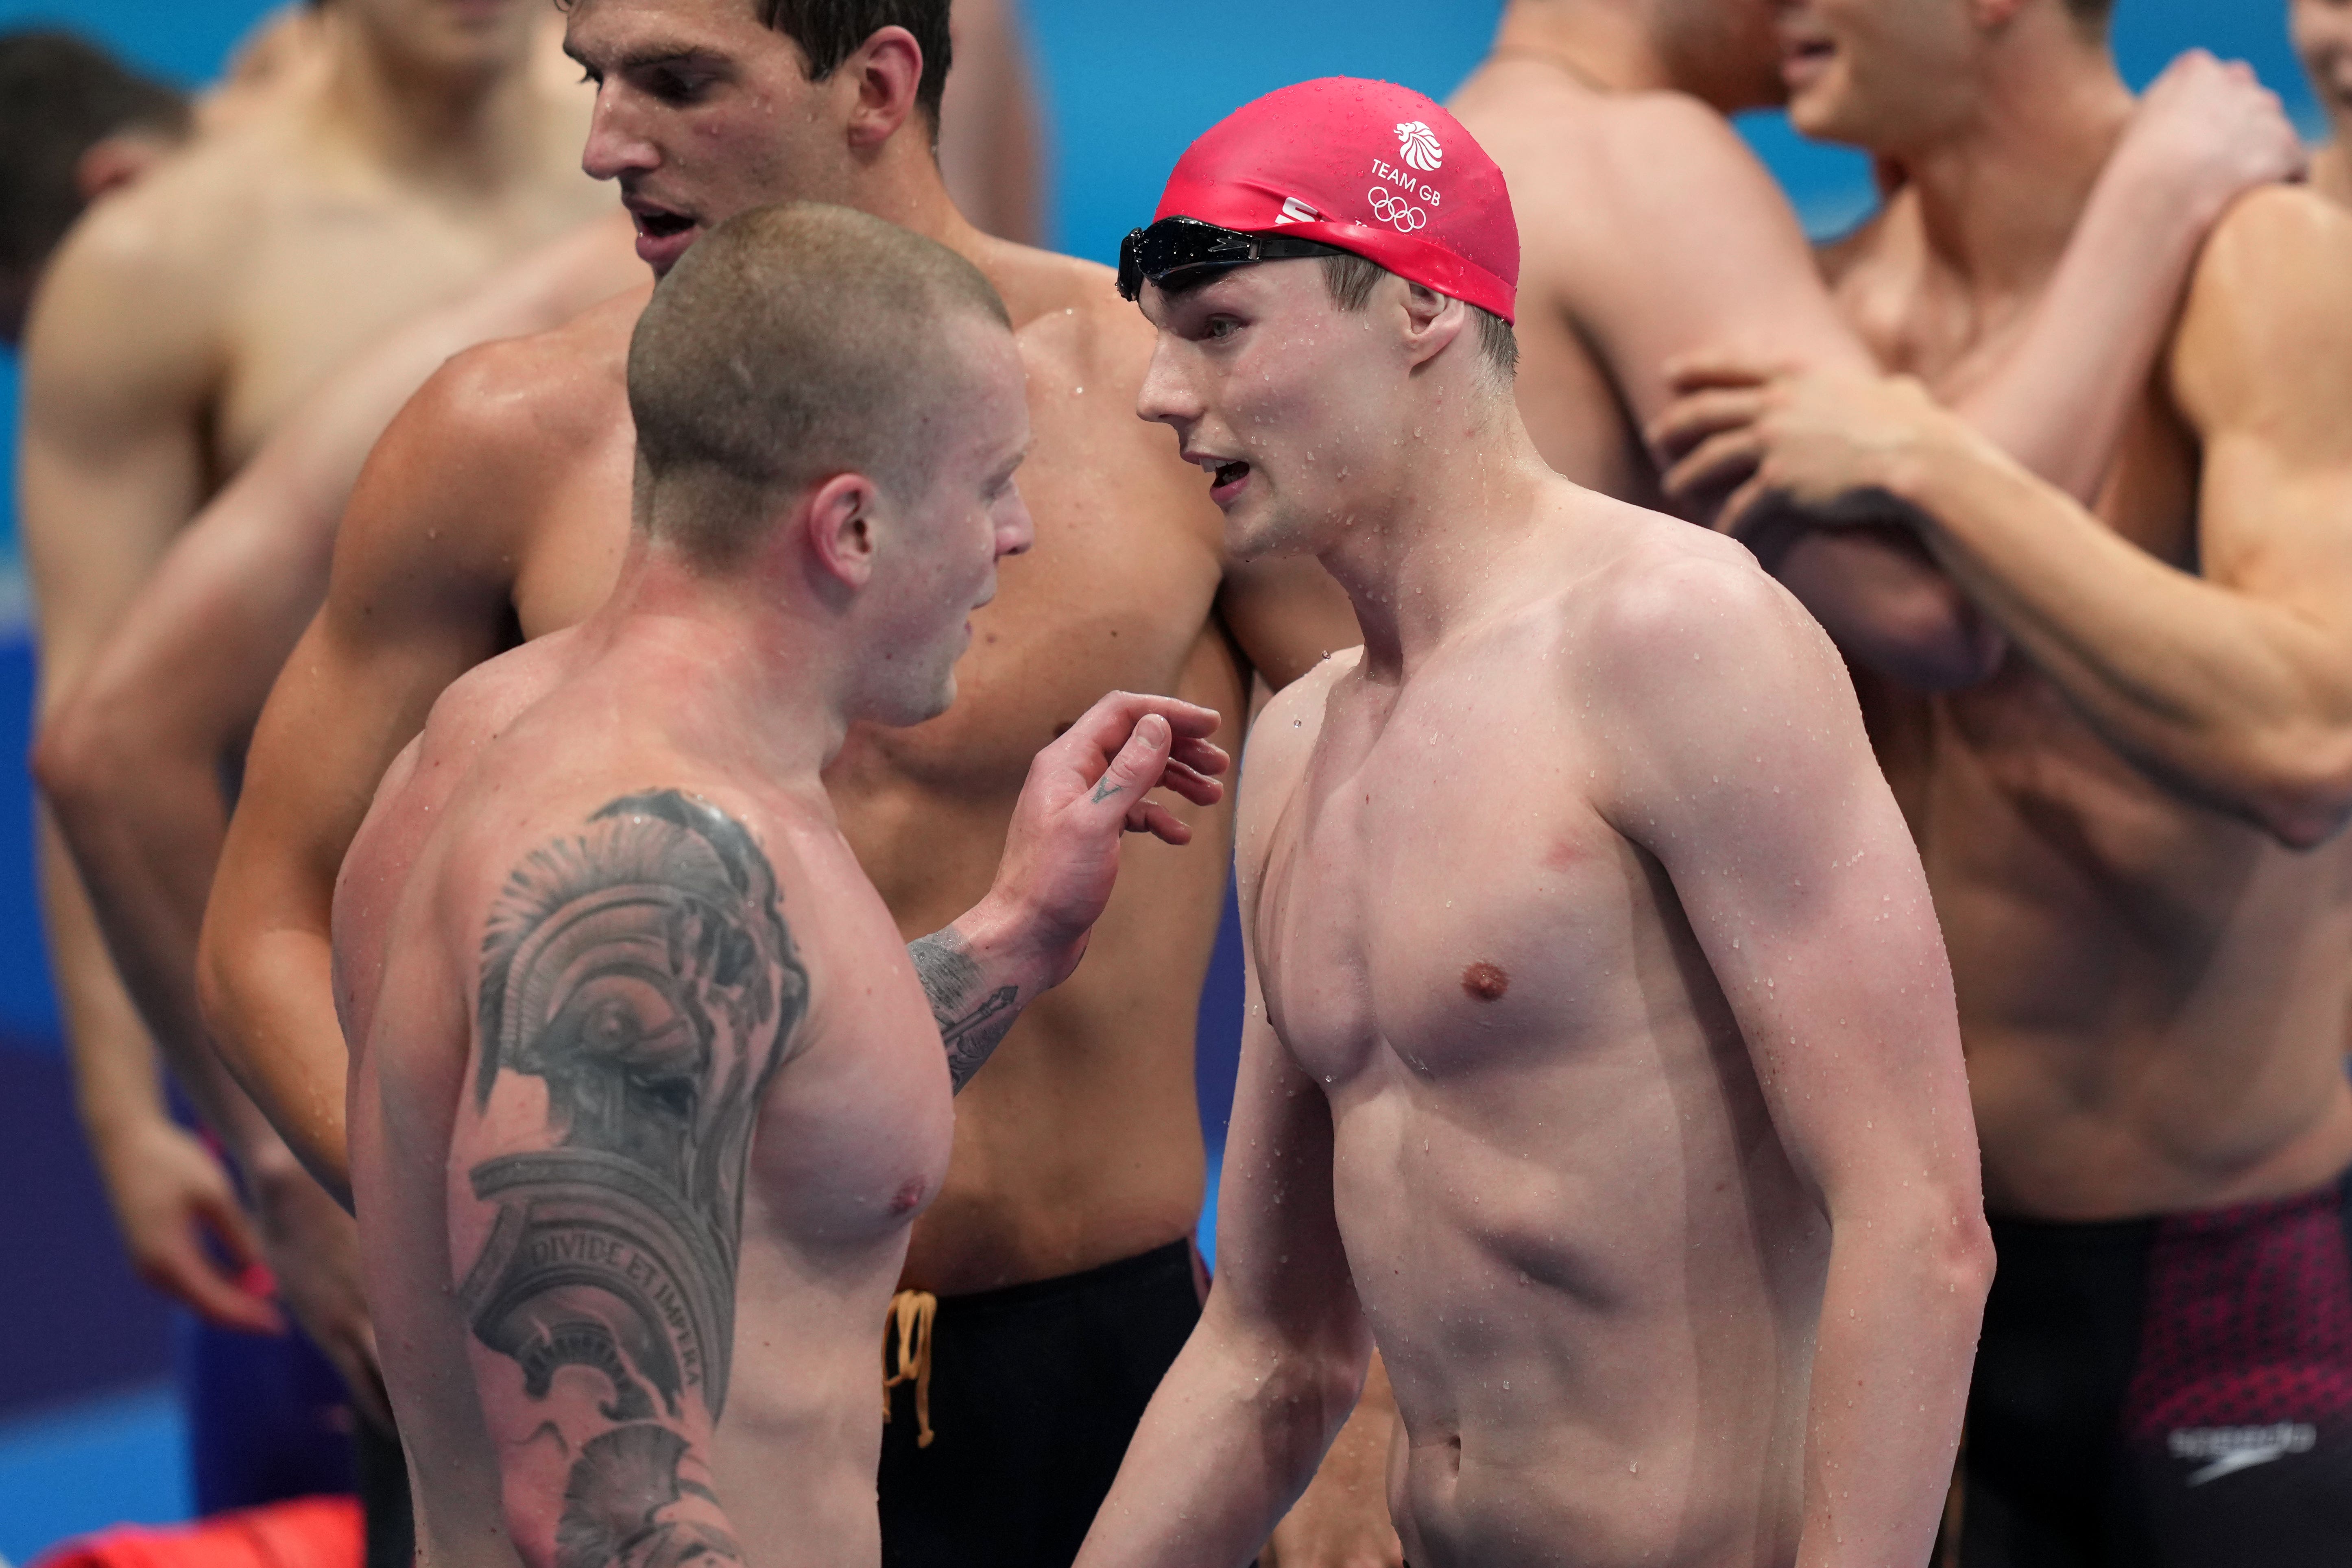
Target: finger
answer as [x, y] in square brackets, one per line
[1184, 781]
[1720, 462]
[1159, 822]
[191, 1278]
[1138, 767]
[1699, 414]
[1113, 717]
[1743, 509]
[1200, 756]
[1726, 368]
[228, 1220]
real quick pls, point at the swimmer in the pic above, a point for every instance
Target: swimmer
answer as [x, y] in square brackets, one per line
[647, 1089]
[183, 320]
[2133, 828]
[497, 507]
[2323, 36]
[1601, 1061]
[1655, 234]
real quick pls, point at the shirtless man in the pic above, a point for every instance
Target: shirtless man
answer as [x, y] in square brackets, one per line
[1601, 1060]
[602, 947]
[2323, 36]
[131, 758]
[2132, 827]
[1655, 234]
[178, 325]
[495, 506]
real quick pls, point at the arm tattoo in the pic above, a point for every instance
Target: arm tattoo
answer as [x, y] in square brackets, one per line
[970, 1024]
[643, 972]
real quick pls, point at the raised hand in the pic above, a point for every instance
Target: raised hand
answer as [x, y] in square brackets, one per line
[1084, 794]
[2207, 132]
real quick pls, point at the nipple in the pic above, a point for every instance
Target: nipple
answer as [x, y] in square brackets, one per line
[1485, 982]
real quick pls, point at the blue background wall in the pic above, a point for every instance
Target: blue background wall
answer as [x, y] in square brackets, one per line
[1128, 87]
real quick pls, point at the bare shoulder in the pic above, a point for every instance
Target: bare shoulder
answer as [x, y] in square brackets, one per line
[449, 484]
[1069, 314]
[1281, 742]
[1677, 608]
[2268, 320]
[176, 236]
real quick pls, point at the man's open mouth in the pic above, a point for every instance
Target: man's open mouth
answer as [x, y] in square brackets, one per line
[656, 223]
[1225, 474]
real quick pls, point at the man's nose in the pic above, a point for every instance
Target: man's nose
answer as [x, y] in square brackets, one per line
[1166, 397]
[615, 146]
[1016, 533]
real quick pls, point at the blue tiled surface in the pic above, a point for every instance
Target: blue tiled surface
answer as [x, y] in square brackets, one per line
[1129, 86]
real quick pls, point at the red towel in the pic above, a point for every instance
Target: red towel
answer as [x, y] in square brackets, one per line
[308, 1532]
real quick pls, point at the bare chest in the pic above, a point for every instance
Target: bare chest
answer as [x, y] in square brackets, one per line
[330, 273]
[1440, 890]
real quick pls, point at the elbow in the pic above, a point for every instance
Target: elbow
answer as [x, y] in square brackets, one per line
[1964, 1257]
[1929, 640]
[2299, 785]
[72, 757]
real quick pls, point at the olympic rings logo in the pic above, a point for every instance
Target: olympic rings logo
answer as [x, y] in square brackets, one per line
[1394, 209]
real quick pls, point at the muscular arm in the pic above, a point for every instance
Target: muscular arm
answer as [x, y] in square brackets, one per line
[637, 990]
[1731, 275]
[130, 758]
[991, 147]
[2233, 681]
[418, 595]
[1241, 1421]
[1744, 770]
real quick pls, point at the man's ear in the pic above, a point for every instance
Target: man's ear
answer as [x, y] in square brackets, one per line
[888, 71]
[837, 518]
[1432, 320]
[1992, 16]
[110, 163]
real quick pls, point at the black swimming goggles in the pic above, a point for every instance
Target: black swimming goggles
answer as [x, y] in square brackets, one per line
[1176, 244]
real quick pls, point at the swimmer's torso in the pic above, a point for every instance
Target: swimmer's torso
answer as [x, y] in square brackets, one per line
[286, 250]
[2153, 994]
[1080, 1144]
[852, 1137]
[1589, 1270]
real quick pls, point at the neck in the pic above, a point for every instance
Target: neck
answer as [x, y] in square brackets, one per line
[746, 673]
[2331, 168]
[899, 183]
[479, 127]
[1420, 558]
[1606, 43]
[2001, 196]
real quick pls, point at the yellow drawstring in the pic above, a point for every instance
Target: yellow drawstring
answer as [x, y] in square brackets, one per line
[911, 1312]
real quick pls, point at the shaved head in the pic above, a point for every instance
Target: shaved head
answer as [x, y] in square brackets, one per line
[792, 343]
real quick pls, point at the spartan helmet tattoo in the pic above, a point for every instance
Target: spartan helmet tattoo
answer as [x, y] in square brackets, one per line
[643, 972]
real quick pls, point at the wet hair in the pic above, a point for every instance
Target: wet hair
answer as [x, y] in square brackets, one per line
[60, 96]
[1352, 277]
[792, 344]
[830, 31]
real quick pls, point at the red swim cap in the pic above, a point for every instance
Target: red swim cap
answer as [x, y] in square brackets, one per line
[1369, 167]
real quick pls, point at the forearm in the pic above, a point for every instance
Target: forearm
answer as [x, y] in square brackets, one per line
[2059, 401]
[1229, 1443]
[268, 1002]
[2219, 694]
[979, 973]
[1900, 1320]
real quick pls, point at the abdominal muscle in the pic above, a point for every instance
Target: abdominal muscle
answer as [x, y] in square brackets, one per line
[1600, 1334]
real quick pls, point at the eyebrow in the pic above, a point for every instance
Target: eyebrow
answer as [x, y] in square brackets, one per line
[655, 54]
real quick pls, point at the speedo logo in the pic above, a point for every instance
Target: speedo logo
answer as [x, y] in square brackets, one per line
[2230, 1449]
[1296, 211]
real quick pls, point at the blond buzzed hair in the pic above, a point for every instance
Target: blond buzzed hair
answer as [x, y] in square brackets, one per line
[792, 343]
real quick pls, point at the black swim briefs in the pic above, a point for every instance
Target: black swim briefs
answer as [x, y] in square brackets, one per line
[2174, 1392]
[1033, 1392]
